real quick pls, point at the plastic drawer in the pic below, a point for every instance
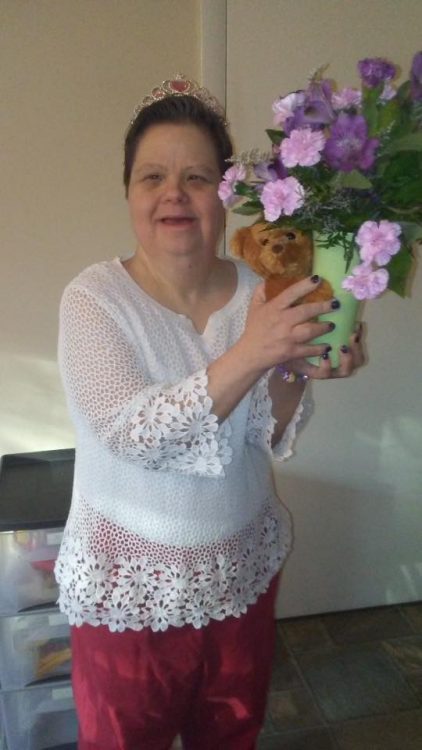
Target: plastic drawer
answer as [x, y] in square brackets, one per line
[34, 646]
[39, 717]
[27, 560]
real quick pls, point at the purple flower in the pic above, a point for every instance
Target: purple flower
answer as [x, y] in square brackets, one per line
[416, 77]
[347, 98]
[316, 111]
[375, 70]
[226, 193]
[303, 147]
[282, 197]
[365, 283]
[270, 170]
[378, 242]
[348, 146]
[285, 106]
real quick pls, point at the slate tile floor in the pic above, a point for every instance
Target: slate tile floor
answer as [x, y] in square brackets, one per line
[348, 681]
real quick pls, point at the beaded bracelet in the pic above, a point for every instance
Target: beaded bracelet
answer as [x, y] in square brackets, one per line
[291, 377]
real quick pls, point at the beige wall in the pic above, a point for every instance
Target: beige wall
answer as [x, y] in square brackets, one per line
[354, 485]
[71, 73]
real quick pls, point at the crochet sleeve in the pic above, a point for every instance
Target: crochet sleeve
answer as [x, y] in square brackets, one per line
[261, 422]
[165, 426]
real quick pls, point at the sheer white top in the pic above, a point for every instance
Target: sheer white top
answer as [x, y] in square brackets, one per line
[174, 518]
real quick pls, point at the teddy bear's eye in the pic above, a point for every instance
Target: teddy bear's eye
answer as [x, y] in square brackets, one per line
[264, 242]
[291, 236]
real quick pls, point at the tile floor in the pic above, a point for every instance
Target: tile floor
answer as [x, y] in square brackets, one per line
[348, 681]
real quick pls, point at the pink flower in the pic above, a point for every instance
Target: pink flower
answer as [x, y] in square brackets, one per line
[346, 98]
[282, 197]
[366, 283]
[284, 107]
[303, 147]
[378, 242]
[226, 193]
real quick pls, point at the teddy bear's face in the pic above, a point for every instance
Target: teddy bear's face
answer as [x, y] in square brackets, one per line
[282, 255]
[283, 250]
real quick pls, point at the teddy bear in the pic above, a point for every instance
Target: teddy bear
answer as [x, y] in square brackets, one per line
[281, 255]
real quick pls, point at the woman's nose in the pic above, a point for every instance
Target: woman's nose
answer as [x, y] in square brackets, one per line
[175, 189]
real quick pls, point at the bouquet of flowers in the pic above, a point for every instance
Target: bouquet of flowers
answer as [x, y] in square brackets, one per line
[346, 164]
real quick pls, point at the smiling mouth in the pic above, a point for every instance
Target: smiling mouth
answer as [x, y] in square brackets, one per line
[177, 220]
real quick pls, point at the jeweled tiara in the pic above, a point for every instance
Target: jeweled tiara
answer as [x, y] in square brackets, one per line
[180, 86]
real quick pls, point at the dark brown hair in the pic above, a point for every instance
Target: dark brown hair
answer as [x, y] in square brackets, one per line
[177, 110]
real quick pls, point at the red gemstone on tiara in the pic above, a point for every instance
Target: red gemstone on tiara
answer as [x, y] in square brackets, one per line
[180, 86]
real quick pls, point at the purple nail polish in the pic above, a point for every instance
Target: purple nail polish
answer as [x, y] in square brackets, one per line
[332, 326]
[335, 304]
[325, 356]
[344, 349]
[315, 279]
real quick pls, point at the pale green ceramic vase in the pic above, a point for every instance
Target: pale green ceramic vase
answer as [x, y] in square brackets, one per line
[329, 263]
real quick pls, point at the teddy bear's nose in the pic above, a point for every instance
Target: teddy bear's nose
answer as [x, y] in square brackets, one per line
[278, 248]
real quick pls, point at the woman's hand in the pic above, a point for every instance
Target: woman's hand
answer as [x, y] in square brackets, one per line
[277, 332]
[280, 332]
[351, 357]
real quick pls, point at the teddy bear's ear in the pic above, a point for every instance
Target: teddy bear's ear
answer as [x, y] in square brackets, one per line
[237, 241]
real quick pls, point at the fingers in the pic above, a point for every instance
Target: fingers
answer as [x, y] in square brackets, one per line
[351, 357]
[294, 292]
[276, 331]
[346, 365]
[321, 371]
[302, 312]
[311, 330]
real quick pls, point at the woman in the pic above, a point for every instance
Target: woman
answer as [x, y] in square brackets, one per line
[169, 562]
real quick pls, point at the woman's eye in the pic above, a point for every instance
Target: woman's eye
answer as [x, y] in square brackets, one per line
[152, 177]
[197, 178]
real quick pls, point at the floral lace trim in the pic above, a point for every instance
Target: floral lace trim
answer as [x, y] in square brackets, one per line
[175, 429]
[284, 449]
[261, 421]
[139, 592]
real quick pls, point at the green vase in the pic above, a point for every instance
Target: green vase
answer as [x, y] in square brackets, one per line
[330, 264]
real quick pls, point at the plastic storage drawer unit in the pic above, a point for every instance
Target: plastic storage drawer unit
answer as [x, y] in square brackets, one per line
[27, 558]
[39, 717]
[34, 647]
[35, 492]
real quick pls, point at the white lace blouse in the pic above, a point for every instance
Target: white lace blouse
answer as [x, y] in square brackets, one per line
[174, 518]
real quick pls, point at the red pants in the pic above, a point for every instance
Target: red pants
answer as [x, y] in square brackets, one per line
[138, 690]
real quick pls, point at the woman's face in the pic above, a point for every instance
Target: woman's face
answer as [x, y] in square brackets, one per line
[172, 196]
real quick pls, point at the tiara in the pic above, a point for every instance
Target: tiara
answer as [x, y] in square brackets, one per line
[181, 86]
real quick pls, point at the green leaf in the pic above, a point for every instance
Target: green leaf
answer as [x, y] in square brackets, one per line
[403, 91]
[248, 209]
[399, 268]
[275, 136]
[411, 142]
[388, 114]
[353, 179]
[241, 188]
[370, 108]
[411, 231]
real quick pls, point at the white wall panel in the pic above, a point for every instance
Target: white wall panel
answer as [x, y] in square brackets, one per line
[354, 486]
